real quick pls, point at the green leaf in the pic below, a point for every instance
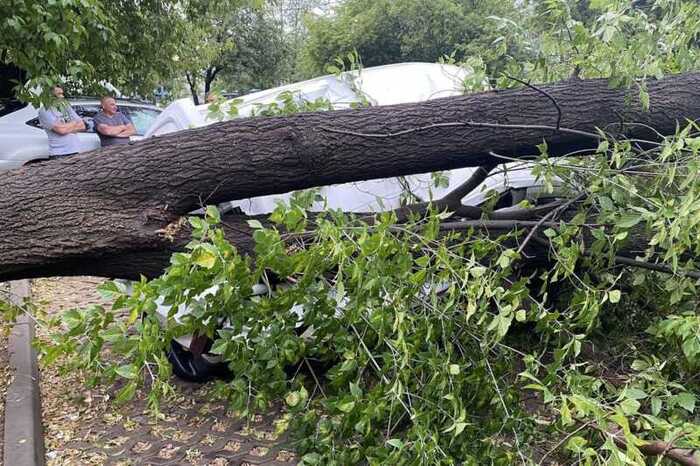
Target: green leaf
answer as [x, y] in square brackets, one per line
[635, 394]
[628, 220]
[219, 346]
[630, 407]
[213, 214]
[311, 458]
[614, 296]
[127, 371]
[459, 428]
[394, 442]
[293, 399]
[454, 369]
[255, 224]
[126, 393]
[644, 98]
[72, 318]
[204, 258]
[686, 401]
[347, 406]
[355, 390]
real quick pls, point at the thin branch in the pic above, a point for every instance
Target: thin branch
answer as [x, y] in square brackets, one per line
[471, 124]
[544, 93]
[452, 200]
[500, 224]
[620, 260]
[551, 214]
[313, 374]
[683, 456]
[478, 177]
[564, 440]
[626, 261]
[524, 213]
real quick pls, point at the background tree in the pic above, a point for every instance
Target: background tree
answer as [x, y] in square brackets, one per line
[389, 31]
[128, 43]
[262, 56]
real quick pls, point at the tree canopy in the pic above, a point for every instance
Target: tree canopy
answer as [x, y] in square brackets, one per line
[389, 31]
[129, 44]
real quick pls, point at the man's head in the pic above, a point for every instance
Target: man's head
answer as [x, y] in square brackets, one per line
[109, 105]
[57, 92]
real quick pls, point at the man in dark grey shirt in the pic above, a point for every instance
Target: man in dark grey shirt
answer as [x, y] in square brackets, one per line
[111, 125]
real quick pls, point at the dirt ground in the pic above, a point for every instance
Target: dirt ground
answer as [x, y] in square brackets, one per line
[5, 376]
[83, 427]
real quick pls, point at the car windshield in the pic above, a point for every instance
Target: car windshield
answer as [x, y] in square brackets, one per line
[142, 118]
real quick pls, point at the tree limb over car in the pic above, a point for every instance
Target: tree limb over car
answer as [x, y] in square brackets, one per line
[104, 213]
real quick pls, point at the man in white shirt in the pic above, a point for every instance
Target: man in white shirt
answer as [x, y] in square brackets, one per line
[61, 124]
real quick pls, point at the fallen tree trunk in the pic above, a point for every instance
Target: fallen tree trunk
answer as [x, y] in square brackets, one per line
[104, 212]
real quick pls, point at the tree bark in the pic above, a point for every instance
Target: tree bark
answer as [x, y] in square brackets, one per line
[104, 212]
[192, 83]
[209, 77]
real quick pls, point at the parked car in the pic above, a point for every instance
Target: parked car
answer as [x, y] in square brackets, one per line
[382, 85]
[23, 140]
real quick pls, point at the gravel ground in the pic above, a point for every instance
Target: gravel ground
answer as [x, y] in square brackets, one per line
[83, 427]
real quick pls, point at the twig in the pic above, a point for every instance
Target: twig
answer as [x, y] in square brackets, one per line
[553, 213]
[453, 124]
[313, 374]
[523, 213]
[620, 260]
[544, 93]
[502, 224]
[563, 441]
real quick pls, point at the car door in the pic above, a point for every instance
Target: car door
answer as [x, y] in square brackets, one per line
[88, 138]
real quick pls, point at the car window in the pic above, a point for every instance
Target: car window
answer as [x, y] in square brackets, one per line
[87, 113]
[142, 117]
[8, 106]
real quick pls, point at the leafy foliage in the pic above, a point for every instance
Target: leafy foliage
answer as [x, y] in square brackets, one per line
[400, 343]
[128, 43]
[388, 31]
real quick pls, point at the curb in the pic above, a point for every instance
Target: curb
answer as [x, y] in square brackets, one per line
[23, 436]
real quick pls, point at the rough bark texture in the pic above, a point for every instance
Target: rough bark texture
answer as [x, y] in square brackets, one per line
[103, 212]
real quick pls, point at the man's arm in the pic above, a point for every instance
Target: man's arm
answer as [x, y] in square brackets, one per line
[49, 120]
[107, 130]
[129, 130]
[76, 121]
[64, 128]
[78, 125]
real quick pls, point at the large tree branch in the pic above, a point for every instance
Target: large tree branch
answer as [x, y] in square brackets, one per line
[86, 213]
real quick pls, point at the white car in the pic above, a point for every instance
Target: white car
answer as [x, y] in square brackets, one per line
[382, 85]
[23, 140]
